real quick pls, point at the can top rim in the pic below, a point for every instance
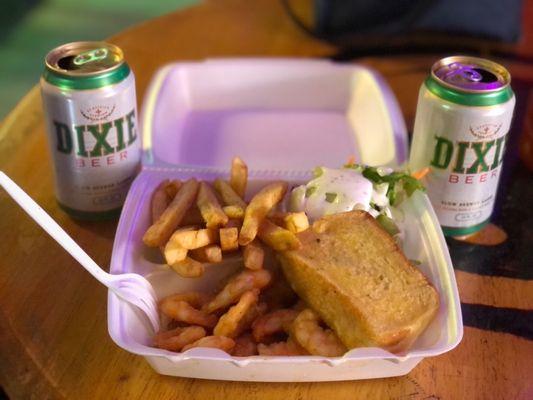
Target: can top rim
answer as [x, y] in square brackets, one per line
[503, 76]
[91, 58]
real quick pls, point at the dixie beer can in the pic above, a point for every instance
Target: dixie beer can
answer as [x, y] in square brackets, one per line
[463, 116]
[88, 93]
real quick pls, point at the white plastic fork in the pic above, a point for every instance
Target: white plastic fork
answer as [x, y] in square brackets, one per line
[132, 288]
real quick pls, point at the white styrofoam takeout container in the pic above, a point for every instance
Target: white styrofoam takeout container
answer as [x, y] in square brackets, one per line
[283, 117]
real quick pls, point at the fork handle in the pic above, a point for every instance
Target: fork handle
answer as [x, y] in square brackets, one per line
[53, 229]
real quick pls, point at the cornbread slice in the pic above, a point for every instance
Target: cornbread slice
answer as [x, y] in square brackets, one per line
[353, 274]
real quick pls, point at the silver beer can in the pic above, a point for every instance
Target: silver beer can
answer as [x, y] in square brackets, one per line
[463, 116]
[88, 93]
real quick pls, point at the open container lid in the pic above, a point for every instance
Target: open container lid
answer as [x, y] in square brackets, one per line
[277, 114]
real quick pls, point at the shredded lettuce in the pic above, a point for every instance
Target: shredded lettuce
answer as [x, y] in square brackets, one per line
[388, 224]
[399, 182]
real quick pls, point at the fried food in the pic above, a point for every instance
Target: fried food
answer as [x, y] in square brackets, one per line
[288, 348]
[299, 306]
[172, 188]
[174, 253]
[175, 339]
[236, 286]
[209, 207]
[159, 233]
[162, 196]
[228, 324]
[208, 254]
[296, 222]
[236, 212]
[229, 239]
[260, 205]
[307, 332]
[273, 322]
[352, 273]
[228, 195]
[245, 346]
[277, 217]
[195, 299]
[217, 342]
[234, 223]
[238, 176]
[292, 221]
[188, 268]
[253, 255]
[159, 201]
[181, 310]
[194, 239]
[253, 313]
[276, 237]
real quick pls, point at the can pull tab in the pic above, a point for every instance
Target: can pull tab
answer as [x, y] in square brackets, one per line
[90, 56]
[465, 71]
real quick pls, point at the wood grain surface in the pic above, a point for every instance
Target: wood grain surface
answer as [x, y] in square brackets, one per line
[53, 329]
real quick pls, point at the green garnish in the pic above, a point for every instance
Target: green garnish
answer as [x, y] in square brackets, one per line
[331, 197]
[398, 181]
[388, 224]
[310, 190]
[415, 262]
[318, 171]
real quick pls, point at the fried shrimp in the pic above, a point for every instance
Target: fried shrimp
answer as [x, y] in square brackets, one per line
[181, 310]
[238, 284]
[288, 348]
[273, 322]
[228, 324]
[253, 313]
[307, 331]
[217, 342]
[244, 346]
[175, 339]
[195, 299]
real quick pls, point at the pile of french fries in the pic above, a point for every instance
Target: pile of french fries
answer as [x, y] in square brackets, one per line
[198, 223]
[194, 223]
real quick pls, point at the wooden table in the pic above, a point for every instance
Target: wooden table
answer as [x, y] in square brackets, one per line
[53, 331]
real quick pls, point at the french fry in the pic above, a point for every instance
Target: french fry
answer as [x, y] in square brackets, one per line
[296, 222]
[188, 268]
[228, 195]
[277, 217]
[209, 254]
[234, 223]
[253, 255]
[159, 233]
[174, 253]
[192, 217]
[229, 239]
[258, 209]
[194, 239]
[209, 207]
[239, 176]
[159, 201]
[236, 212]
[276, 237]
[172, 188]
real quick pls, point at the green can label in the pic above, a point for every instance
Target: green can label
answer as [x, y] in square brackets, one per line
[464, 147]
